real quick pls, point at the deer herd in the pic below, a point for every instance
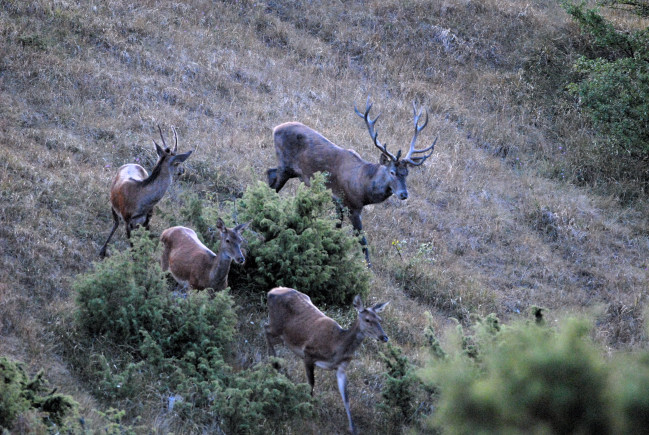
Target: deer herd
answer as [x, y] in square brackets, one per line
[301, 152]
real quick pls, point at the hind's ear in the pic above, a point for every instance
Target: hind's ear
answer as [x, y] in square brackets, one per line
[239, 228]
[220, 225]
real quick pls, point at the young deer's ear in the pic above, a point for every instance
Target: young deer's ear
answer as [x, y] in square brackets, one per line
[380, 307]
[180, 157]
[220, 225]
[358, 303]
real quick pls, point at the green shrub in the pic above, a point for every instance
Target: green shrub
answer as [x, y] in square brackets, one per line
[400, 386]
[527, 379]
[258, 399]
[299, 246]
[20, 395]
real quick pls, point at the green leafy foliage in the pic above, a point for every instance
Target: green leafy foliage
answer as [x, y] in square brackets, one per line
[256, 398]
[21, 395]
[299, 245]
[613, 87]
[528, 378]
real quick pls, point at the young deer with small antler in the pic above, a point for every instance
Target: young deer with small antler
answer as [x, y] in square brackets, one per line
[317, 339]
[191, 262]
[134, 192]
[355, 183]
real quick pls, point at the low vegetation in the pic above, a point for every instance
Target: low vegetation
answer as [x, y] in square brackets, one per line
[534, 197]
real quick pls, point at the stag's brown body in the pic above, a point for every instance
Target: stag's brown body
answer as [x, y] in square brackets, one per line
[134, 193]
[317, 339]
[354, 182]
[192, 263]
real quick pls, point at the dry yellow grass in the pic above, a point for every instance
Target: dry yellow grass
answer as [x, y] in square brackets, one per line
[84, 84]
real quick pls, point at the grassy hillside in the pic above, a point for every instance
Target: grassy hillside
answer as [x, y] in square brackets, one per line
[496, 220]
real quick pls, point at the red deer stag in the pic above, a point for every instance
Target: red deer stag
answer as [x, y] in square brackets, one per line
[191, 262]
[355, 183]
[134, 192]
[318, 339]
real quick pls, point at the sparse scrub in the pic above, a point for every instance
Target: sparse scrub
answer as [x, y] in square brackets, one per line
[445, 290]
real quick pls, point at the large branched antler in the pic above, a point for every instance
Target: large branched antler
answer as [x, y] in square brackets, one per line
[418, 160]
[373, 134]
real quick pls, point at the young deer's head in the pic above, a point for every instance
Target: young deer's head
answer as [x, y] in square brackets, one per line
[231, 241]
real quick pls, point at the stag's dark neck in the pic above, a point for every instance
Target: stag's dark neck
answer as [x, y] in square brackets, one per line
[377, 184]
[220, 271]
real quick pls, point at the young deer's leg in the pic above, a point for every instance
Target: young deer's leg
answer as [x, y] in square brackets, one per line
[102, 252]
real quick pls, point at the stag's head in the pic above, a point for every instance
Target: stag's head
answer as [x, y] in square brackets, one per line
[170, 156]
[370, 321]
[397, 168]
[231, 241]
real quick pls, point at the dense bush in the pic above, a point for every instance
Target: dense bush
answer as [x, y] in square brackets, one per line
[529, 378]
[298, 245]
[125, 299]
[28, 398]
[151, 339]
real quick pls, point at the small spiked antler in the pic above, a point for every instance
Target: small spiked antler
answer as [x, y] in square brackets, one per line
[163, 139]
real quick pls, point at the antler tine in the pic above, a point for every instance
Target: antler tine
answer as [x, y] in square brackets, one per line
[162, 137]
[370, 128]
[416, 161]
[176, 138]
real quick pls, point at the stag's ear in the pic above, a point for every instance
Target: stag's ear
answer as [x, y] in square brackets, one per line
[220, 225]
[158, 149]
[358, 303]
[384, 160]
[180, 157]
[380, 307]
[239, 228]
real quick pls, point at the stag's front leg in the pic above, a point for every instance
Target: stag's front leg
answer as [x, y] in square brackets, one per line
[309, 366]
[355, 217]
[340, 211]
